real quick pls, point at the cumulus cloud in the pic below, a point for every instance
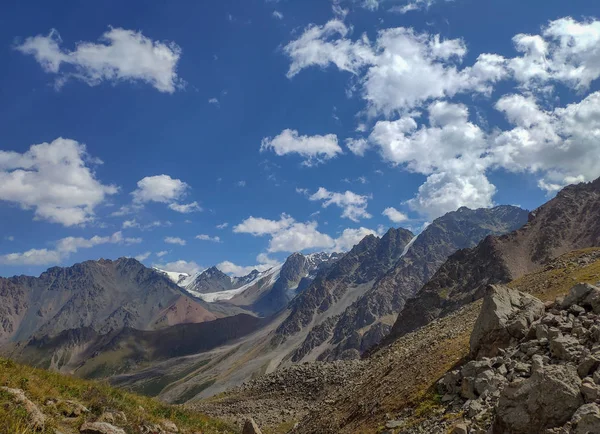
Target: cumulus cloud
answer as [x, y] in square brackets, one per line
[298, 237]
[354, 205]
[55, 180]
[121, 55]
[351, 237]
[62, 249]
[163, 189]
[278, 15]
[180, 266]
[264, 263]
[260, 226]
[204, 237]
[314, 149]
[175, 240]
[394, 215]
[185, 208]
[357, 146]
[287, 235]
[401, 69]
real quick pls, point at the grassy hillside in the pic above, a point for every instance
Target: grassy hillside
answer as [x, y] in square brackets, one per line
[50, 392]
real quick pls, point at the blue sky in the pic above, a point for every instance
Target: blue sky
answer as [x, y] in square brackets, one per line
[160, 122]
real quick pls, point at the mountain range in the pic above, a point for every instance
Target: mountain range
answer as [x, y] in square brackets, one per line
[186, 337]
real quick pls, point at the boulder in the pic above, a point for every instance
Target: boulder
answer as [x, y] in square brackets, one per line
[586, 419]
[506, 315]
[250, 427]
[583, 294]
[100, 428]
[546, 400]
[36, 418]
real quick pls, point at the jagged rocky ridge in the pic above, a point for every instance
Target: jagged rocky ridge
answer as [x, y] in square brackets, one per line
[567, 222]
[368, 319]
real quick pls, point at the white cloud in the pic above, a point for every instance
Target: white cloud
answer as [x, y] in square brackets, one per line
[259, 226]
[161, 253]
[213, 101]
[63, 248]
[180, 266]
[159, 188]
[122, 55]
[449, 137]
[143, 256]
[264, 263]
[559, 145]
[446, 191]
[222, 225]
[314, 149]
[204, 237]
[401, 69]
[185, 208]
[278, 15]
[325, 45]
[241, 183]
[351, 237]
[55, 180]
[354, 205]
[163, 189]
[394, 215]
[566, 51]
[298, 237]
[175, 240]
[357, 146]
[133, 223]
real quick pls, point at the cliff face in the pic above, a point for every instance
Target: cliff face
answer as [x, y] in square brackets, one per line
[567, 222]
[102, 295]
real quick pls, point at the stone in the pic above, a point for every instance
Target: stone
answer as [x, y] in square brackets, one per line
[391, 424]
[547, 399]
[505, 315]
[590, 390]
[588, 365]
[586, 419]
[37, 419]
[583, 294]
[473, 407]
[459, 428]
[169, 426]
[72, 408]
[565, 347]
[113, 417]
[250, 427]
[100, 428]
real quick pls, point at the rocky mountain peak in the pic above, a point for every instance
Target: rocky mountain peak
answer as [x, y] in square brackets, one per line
[567, 222]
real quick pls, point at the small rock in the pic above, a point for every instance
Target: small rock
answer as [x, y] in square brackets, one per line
[36, 417]
[586, 419]
[460, 428]
[250, 427]
[169, 426]
[100, 428]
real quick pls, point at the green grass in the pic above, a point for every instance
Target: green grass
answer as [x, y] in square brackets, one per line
[40, 385]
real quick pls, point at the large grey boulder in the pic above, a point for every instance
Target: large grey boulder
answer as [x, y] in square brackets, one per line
[546, 400]
[506, 315]
[583, 294]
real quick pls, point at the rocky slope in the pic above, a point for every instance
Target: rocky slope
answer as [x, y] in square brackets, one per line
[369, 319]
[534, 368]
[397, 385]
[567, 222]
[103, 295]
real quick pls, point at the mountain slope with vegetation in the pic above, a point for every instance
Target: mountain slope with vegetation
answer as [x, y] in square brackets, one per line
[37, 401]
